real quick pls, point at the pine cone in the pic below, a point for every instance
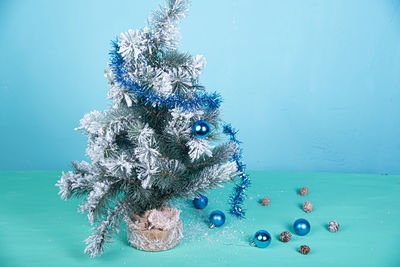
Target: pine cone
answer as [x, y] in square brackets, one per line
[333, 226]
[285, 236]
[265, 201]
[304, 249]
[303, 191]
[307, 206]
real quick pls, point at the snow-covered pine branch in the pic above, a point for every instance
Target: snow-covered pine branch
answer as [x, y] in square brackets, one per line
[164, 20]
[102, 232]
[209, 178]
[198, 148]
[92, 122]
[147, 155]
[170, 172]
[79, 182]
[220, 153]
[99, 197]
[73, 184]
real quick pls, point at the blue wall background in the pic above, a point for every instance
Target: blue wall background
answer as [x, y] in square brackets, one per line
[312, 85]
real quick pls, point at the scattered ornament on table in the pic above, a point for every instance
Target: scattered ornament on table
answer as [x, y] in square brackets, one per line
[333, 226]
[301, 227]
[265, 201]
[303, 191]
[285, 236]
[304, 249]
[307, 206]
[217, 218]
[200, 202]
[201, 129]
[261, 239]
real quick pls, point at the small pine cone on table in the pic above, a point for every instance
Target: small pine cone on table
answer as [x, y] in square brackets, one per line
[265, 201]
[303, 191]
[307, 206]
[333, 226]
[285, 236]
[304, 249]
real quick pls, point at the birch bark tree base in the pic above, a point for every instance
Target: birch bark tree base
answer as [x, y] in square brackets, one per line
[156, 230]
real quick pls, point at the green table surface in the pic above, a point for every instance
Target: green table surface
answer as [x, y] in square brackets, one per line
[37, 228]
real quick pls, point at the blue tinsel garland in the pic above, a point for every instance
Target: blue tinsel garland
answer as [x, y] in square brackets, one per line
[238, 196]
[210, 101]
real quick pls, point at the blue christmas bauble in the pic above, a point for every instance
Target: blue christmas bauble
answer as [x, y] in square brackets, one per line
[217, 218]
[301, 227]
[201, 129]
[200, 202]
[261, 239]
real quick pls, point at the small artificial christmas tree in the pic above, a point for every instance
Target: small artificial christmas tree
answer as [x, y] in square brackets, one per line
[155, 143]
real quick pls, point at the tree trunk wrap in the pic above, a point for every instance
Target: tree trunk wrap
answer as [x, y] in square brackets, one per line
[156, 230]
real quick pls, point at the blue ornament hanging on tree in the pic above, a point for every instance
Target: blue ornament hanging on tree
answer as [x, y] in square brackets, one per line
[200, 202]
[261, 239]
[301, 227]
[201, 129]
[217, 218]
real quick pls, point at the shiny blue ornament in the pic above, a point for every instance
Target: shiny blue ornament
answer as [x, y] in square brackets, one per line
[301, 227]
[261, 239]
[201, 129]
[217, 218]
[200, 202]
